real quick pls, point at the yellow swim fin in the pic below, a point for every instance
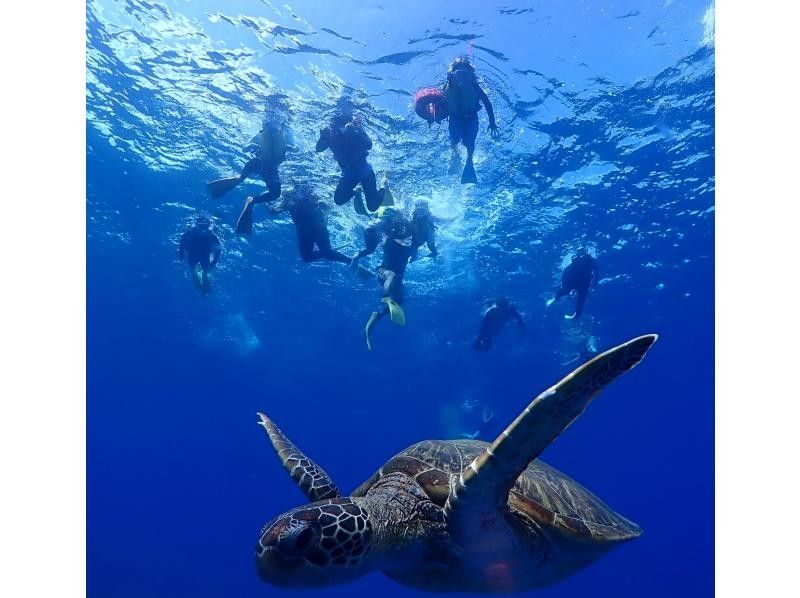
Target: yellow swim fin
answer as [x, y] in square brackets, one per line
[388, 198]
[368, 328]
[396, 312]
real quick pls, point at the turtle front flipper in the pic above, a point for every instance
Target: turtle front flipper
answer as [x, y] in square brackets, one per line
[310, 477]
[481, 491]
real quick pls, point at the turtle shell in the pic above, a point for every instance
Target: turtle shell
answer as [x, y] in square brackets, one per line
[541, 493]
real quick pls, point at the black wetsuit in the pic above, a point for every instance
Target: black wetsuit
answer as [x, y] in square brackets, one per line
[199, 246]
[266, 169]
[350, 145]
[309, 220]
[395, 260]
[578, 276]
[463, 121]
[423, 231]
[497, 313]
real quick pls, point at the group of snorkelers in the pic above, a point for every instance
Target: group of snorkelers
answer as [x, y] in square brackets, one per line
[399, 234]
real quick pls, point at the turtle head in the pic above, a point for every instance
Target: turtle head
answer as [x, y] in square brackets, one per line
[323, 543]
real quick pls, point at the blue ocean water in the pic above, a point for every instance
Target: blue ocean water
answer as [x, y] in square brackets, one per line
[607, 117]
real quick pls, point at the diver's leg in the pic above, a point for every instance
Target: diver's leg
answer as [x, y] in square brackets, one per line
[305, 243]
[220, 187]
[581, 301]
[369, 184]
[205, 265]
[398, 290]
[454, 128]
[344, 190]
[253, 166]
[371, 239]
[273, 181]
[387, 277]
[470, 134]
[323, 240]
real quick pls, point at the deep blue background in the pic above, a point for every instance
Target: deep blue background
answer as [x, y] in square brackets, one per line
[180, 477]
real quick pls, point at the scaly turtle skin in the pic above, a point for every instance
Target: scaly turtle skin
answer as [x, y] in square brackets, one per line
[455, 515]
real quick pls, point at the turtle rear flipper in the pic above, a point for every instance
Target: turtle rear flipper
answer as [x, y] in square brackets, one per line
[310, 477]
[481, 491]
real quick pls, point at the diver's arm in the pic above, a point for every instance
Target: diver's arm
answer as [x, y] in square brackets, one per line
[324, 141]
[442, 219]
[360, 134]
[182, 246]
[489, 110]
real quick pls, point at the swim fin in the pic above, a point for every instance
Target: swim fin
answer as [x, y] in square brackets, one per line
[358, 203]
[220, 187]
[388, 198]
[244, 226]
[455, 164]
[396, 312]
[200, 279]
[368, 328]
[468, 176]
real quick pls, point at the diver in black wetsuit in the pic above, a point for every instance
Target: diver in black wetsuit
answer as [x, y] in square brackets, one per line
[464, 98]
[348, 141]
[201, 249]
[268, 150]
[496, 313]
[395, 229]
[579, 276]
[309, 220]
[423, 228]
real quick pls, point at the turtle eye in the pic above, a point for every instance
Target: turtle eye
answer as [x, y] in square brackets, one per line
[299, 540]
[303, 540]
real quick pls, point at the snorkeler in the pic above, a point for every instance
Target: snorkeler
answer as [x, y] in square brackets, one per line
[309, 220]
[578, 276]
[395, 229]
[464, 97]
[484, 426]
[346, 138]
[423, 228]
[496, 312]
[201, 249]
[268, 151]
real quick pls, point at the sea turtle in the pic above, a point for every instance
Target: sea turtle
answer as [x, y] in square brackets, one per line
[455, 515]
